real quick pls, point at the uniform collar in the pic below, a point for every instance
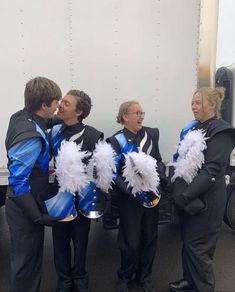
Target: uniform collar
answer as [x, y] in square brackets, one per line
[76, 127]
[206, 123]
[130, 136]
[71, 130]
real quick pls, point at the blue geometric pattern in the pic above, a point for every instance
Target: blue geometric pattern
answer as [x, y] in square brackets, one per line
[56, 139]
[23, 157]
[43, 159]
[88, 198]
[61, 205]
[125, 147]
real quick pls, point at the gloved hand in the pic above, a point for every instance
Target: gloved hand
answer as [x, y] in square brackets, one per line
[47, 220]
[31, 209]
[28, 205]
[121, 186]
[181, 201]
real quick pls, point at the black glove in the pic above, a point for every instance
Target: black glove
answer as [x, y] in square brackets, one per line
[47, 220]
[28, 205]
[31, 209]
[181, 201]
[121, 186]
[195, 206]
[201, 184]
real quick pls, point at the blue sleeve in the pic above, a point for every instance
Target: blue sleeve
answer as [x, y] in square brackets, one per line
[23, 156]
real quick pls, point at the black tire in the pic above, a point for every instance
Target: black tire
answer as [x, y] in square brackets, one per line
[3, 190]
[229, 216]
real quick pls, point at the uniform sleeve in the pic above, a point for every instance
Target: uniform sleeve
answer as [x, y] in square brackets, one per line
[217, 154]
[23, 156]
[161, 168]
[158, 156]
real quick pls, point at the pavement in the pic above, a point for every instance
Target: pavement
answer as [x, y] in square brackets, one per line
[103, 259]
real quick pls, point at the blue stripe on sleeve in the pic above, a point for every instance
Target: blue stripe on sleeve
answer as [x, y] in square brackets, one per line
[22, 157]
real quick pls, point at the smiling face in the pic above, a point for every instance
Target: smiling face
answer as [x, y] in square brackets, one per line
[67, 110]
[133, 118]
[202, 108]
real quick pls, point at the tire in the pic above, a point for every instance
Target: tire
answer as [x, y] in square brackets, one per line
[3, 190]
[229, 216]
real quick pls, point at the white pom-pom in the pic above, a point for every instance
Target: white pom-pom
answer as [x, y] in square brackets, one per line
[191, 156]
[140, 171]
[70, 170]
[101, 166]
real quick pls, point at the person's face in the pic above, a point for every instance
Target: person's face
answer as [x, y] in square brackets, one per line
[67, 110]
[49, 111]
[202, 108]
[133, 118]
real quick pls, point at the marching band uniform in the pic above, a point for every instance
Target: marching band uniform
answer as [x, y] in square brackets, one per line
[28, 153]
[138, 230]
[202, 205]
[78, 229]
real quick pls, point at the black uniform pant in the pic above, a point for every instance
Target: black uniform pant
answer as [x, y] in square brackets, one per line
[71, 276]
[26, 250]
[199, 238]
[137, 239]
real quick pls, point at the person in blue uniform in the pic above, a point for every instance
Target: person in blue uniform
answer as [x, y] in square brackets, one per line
[201, 196]
[28, 163]
[138, 230]
[74, 108]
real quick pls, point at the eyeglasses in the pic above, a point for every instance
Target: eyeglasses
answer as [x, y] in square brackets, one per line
[139, 113]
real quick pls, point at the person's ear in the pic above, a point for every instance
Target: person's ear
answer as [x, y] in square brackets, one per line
[44, 106]
[125, 117]
[78, 113]
[213, 105]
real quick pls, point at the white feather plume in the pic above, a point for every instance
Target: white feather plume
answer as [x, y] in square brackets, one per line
[101, 166]
[70, 170]
[140, 172]
[191, 156]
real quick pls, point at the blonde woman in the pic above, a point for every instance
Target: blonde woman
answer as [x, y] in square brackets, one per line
[138, 210]
[199, 188]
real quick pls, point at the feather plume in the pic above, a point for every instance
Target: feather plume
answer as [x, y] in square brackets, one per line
[140, 172]
[101, 166]
[191, 156]
[70, 170]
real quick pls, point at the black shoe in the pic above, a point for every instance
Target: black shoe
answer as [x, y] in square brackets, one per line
[147, 286]
[181, 286]
[60, 289]
[122, 287]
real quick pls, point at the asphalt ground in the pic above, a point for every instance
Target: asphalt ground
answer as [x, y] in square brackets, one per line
[103, 259]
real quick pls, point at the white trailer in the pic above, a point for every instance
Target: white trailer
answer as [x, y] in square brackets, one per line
[156, 52]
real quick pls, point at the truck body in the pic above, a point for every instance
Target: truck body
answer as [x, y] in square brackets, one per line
[155, 52]
[113, 50]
